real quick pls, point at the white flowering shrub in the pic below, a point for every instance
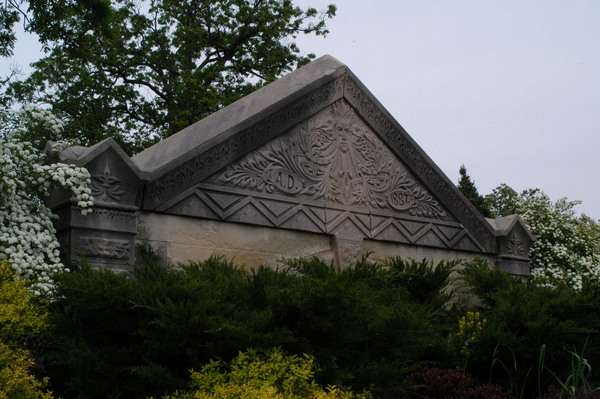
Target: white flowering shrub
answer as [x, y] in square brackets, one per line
[27, 235]
[567, 250]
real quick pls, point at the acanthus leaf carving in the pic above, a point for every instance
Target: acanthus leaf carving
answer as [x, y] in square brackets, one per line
[335, 157]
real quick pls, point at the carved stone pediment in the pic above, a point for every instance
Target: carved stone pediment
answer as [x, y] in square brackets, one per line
[313, 152]
[330, 173]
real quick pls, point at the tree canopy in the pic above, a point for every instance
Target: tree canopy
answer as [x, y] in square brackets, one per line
[141, 71]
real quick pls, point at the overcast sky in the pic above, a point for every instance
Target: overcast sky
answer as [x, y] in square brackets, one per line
[510, 88]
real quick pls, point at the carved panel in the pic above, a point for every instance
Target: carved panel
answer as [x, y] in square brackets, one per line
[347, 252]
[333, 157]
[278, 211]
[104, 247]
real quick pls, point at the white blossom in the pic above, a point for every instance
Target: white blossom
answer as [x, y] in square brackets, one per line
[27, 235]
[567, 250]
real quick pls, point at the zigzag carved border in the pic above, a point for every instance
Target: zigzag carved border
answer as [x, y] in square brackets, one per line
[214, 204]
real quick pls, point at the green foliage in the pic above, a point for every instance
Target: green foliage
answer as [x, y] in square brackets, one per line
[426, 282]
[503, 201]
[21, 314]
[524, 319]
[139, 72]
[567, 250]
[136, 337]
[254, 375]
[22, 318]
[368, 327]
[9, 16]
[468, 188]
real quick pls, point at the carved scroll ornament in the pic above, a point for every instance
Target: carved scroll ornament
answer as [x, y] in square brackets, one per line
[333, 156]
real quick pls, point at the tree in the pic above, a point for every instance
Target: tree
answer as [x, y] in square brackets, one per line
[567, 250]
[503, 201]
[142, 71]
[468, 188]
[9, 16]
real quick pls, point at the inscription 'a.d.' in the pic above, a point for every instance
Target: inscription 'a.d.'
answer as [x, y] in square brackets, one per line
[286, 181]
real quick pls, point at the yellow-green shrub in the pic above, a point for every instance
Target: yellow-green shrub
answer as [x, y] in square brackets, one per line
[21, 317]
[254, 375]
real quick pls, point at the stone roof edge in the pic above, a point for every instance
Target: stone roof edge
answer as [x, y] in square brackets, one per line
[81, 156]
[230, 120]
[504, 225]
[232, 141]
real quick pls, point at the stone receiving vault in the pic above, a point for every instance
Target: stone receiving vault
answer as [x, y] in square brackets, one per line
[311, 164]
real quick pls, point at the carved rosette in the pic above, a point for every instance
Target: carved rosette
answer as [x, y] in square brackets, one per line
[334, 157]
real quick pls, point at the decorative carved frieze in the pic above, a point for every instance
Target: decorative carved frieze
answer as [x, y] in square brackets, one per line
[104, 247]
[276, 210]
[333, 157]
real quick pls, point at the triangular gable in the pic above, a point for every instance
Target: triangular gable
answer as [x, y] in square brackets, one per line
[313, 151]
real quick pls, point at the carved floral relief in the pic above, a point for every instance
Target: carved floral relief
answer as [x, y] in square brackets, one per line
[333, 156]
[106, 186]
[515, 245]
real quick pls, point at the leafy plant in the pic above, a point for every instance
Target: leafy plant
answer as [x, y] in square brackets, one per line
[578, 383]
[137, 337]
[435, 383]
[22, 319]
[528, 325]
[257, 375]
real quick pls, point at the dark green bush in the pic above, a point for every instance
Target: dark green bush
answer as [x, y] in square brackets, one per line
[367, 326]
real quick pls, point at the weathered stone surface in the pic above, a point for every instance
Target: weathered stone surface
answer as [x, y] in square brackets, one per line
[182, 239]
[383, 249]
[309, 164]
